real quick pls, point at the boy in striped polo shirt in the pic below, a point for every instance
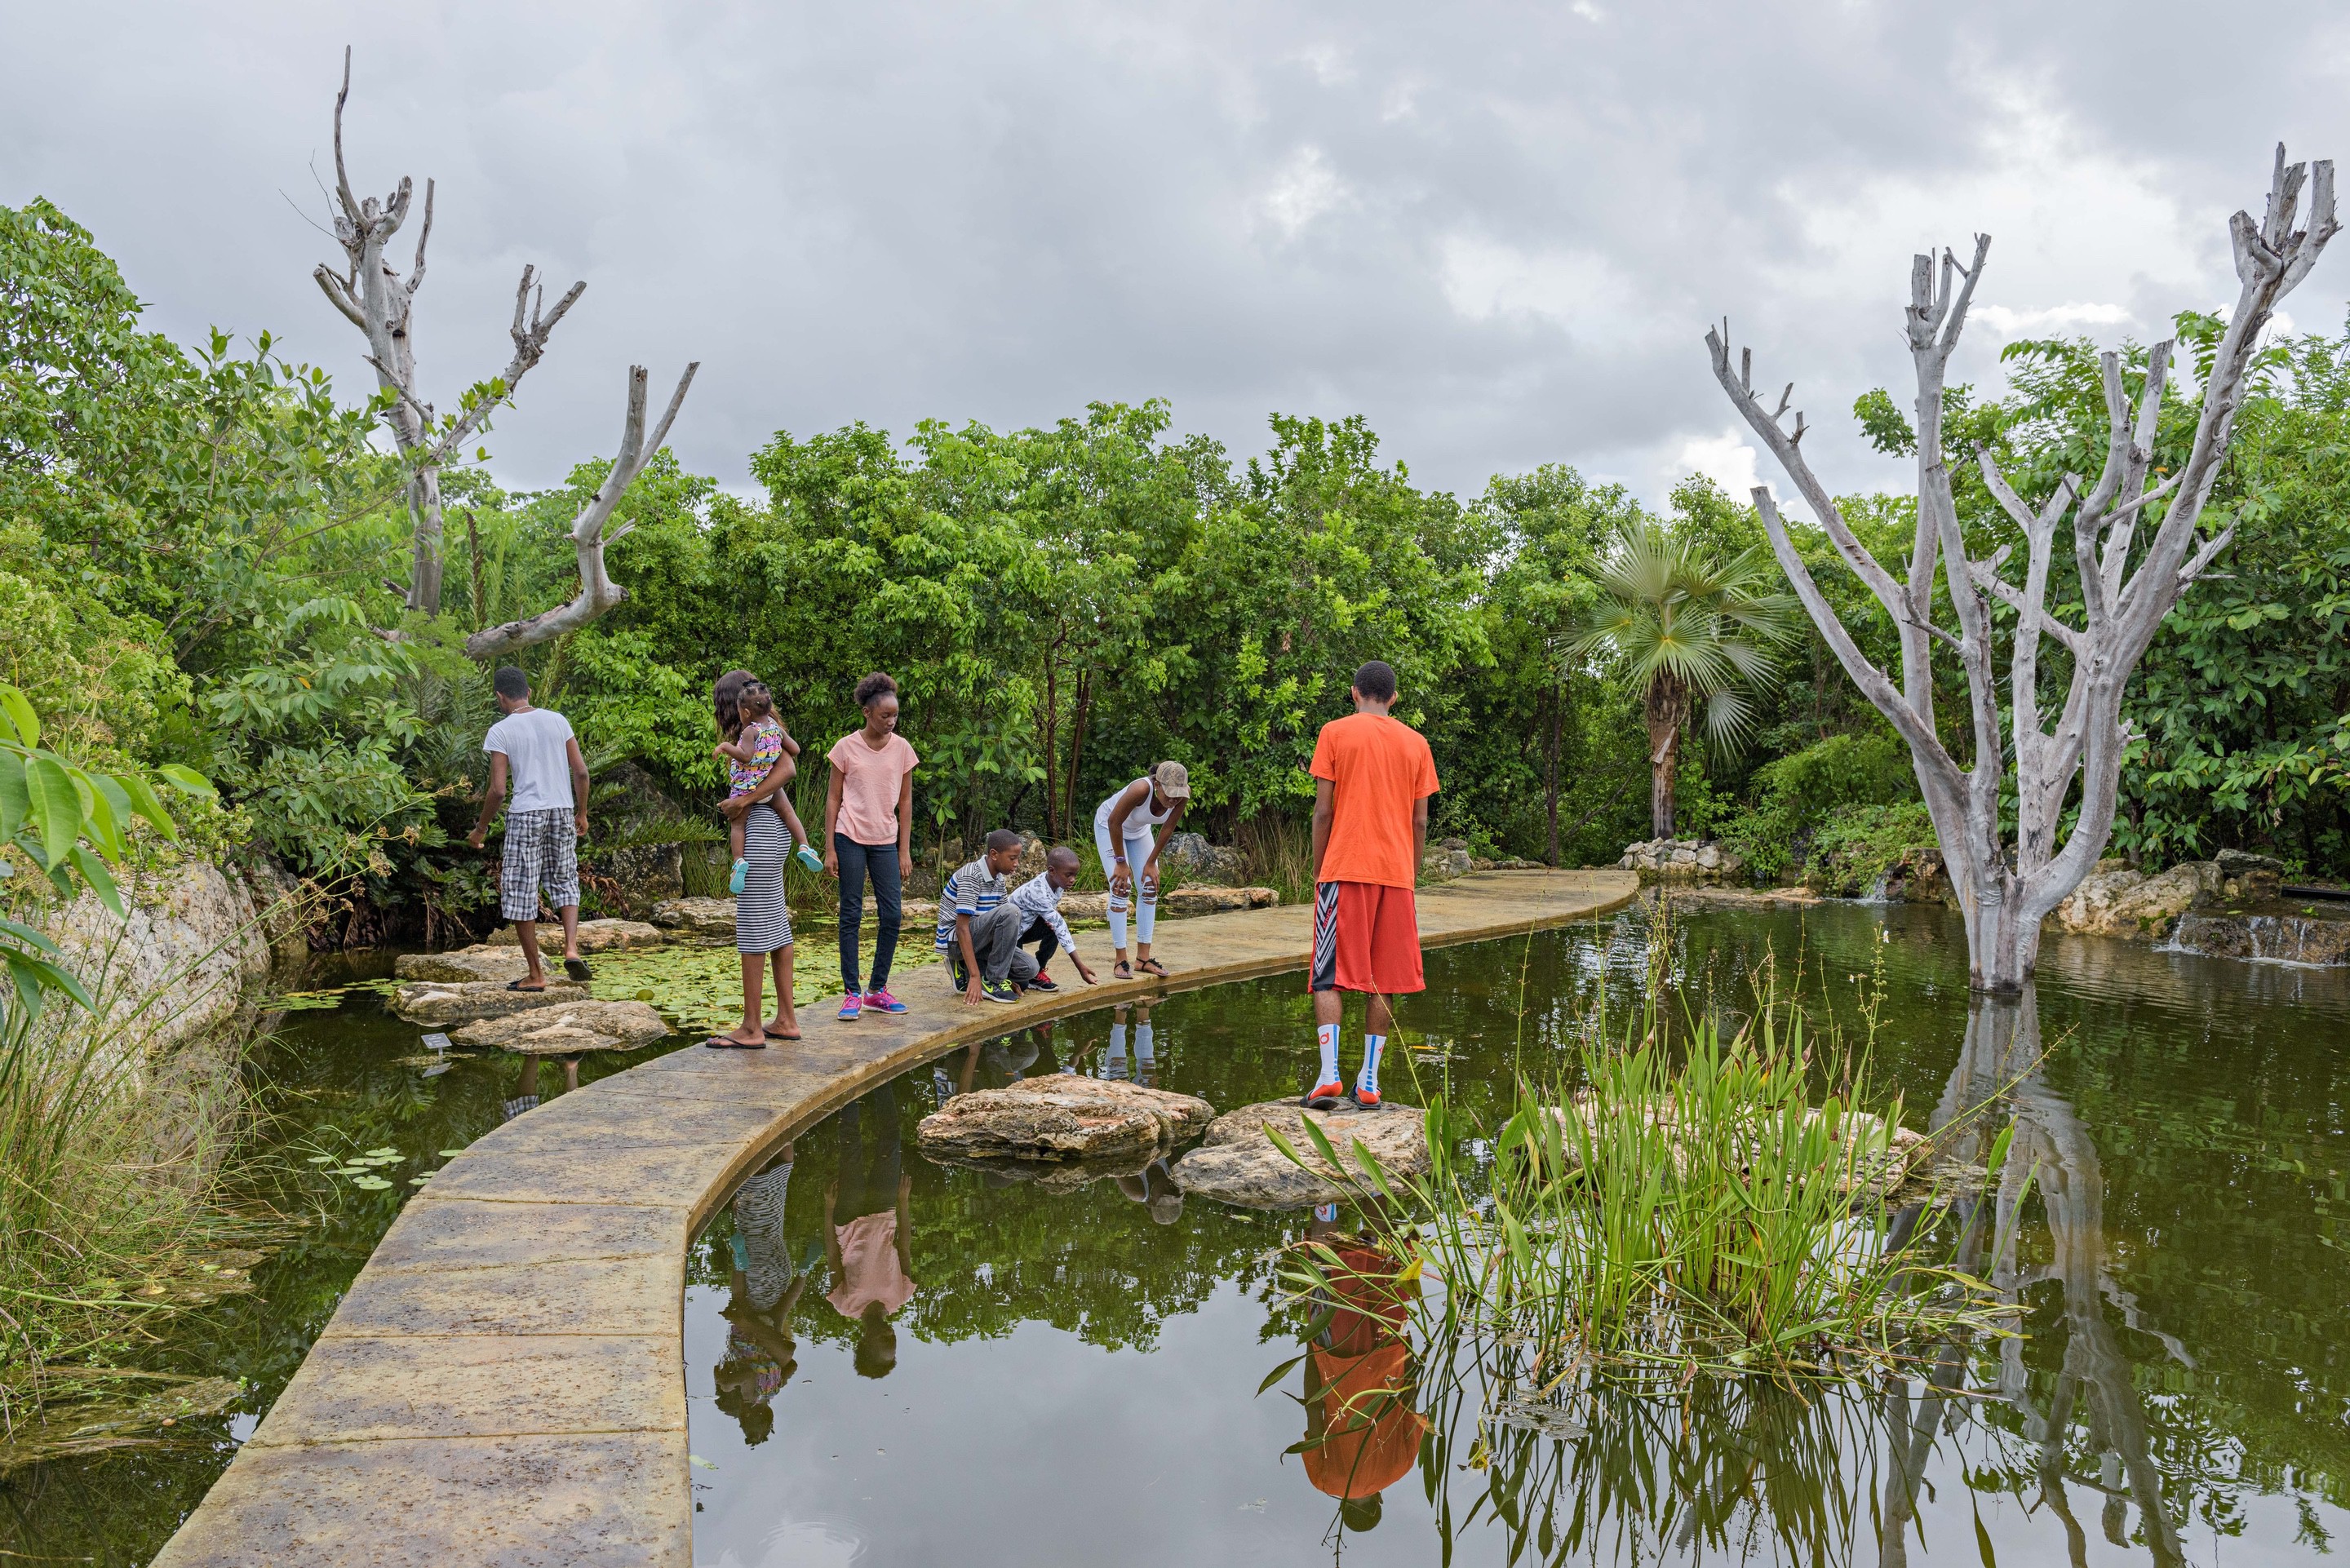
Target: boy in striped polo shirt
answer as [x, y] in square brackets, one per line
[978, 927]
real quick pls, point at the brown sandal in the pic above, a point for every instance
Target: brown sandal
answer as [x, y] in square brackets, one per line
[1154, 966]
[1121, 970]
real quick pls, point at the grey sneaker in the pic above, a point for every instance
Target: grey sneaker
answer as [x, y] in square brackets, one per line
[1000, 990]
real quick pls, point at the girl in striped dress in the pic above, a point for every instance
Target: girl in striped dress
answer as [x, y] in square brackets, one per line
[763, 925]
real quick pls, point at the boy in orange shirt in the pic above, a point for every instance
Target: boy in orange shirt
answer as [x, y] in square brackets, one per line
[1372, 778]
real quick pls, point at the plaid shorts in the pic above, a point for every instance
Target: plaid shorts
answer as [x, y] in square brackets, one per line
[542, 850]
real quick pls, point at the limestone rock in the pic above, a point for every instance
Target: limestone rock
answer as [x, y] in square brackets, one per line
[1442, 864]
[1193, 858]
[1032, 859]
[1192, 899]
[485, 961]
[1517, 863]
[595, 936]
[1085, 905]
[696, 916]
[460, 1001]
[2136, 907]
[2249, 878]
[179, 960]
[636, 877]
[1063, 1116]
[286, 904]
[1682, 860]
[2277, 938]
[569, 1028]
[1238, 1164]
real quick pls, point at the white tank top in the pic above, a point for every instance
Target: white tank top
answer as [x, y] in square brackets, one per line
[1140, 817]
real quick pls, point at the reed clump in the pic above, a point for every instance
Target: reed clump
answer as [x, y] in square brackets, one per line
[113, 1172]
[1718, 1202]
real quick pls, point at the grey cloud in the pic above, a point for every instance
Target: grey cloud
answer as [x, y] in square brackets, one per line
[892, 212]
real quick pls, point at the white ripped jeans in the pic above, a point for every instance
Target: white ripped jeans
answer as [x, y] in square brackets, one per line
[1144, 895]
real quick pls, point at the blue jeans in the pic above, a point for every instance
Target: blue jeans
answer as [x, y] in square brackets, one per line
[855, 861]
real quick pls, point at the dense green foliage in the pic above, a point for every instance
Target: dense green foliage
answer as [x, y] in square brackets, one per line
[198, 549]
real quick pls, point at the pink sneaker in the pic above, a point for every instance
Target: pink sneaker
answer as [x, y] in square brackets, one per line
[882, 1002]
[848, 1010]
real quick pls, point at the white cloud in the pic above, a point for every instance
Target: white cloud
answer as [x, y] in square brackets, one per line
[1581, 291]
[1304, 189]
[2049, 319]
[1725, 459]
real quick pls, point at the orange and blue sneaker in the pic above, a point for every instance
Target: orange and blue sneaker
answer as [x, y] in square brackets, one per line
[1326, 1097]
[850, 1007]
[1365, 1099]
[882, 1002]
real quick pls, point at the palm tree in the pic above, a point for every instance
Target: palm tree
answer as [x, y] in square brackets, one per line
[1688, 628]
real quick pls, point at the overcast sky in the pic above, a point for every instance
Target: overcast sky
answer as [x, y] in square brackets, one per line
[1497, 232]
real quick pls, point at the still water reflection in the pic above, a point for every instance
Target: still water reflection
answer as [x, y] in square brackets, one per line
[888, 1362]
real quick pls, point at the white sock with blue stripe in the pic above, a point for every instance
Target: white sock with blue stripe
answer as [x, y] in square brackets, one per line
[1329, 1033]
[1368, 1080]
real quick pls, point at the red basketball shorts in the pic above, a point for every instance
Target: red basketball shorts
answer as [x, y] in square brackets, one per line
[1366, 938]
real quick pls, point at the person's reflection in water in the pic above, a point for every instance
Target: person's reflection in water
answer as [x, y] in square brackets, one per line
[1362, 1433]
[867, 1236]
[1146, 1066]
[763, 1288]
[1154, 1187]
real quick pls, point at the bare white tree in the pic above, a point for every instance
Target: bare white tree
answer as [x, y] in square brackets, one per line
[2008, 884]
[597, 592]
[376, 300]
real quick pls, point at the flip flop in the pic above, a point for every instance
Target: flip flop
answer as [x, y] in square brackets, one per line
[527, 989]
[728, 1043]
[778, 1034]
[1154, 966]
[577, 969]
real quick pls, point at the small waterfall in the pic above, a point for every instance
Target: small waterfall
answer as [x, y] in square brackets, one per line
[2262, 938]
[1876, 893]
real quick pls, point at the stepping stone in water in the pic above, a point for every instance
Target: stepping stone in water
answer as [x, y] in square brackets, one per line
[459, 965]
[570, 1029]
[1064, 1117]
[447, 1002]
[595, 936]
[1238, 1165]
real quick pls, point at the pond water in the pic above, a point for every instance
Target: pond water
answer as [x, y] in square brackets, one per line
[1038, 1376]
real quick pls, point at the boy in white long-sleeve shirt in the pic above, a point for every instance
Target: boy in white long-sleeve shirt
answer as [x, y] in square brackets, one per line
[1039, 901]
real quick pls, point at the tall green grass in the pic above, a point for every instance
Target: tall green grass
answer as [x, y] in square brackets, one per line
[115, 1202]
[1722, 1198]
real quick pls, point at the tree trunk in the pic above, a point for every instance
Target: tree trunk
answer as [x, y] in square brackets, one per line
[1052, 745]
[1550, 782]
[1667, 711]
[1077, 741]
[425, 563]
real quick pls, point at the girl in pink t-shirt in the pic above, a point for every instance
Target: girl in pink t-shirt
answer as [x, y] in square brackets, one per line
[868, 824]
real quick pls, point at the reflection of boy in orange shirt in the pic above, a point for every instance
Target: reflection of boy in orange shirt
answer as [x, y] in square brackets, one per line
[1363, 1433]
[1372, 778]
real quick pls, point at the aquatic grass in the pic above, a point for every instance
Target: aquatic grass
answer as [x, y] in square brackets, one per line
[1666, 1203]
[113, 1202]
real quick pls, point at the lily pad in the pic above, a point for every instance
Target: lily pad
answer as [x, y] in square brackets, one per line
[370, 1183]
[451, 1153]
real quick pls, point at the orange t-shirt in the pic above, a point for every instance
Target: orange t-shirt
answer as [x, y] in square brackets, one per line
[1378, 767]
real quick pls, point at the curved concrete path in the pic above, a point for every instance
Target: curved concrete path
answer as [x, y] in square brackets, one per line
[503, 1382]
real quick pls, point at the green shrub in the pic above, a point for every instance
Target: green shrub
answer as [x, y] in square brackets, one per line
[1854, 847]
[1795, 793]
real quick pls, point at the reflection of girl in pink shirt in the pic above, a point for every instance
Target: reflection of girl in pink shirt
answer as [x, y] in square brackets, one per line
[867, 1235]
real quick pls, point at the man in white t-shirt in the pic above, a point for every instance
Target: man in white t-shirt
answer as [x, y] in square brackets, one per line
[535, 750]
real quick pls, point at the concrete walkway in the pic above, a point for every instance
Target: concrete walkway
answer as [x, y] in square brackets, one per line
[503, 1382]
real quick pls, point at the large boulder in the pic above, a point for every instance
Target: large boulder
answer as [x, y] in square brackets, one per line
[1238, 1164]
[177, 963]
[1194, 899]
[636, 877]
[1063, 1116]
[568, 1029]
[460, 1001]
[1190, 857]
[595, 936]
[2115, 901]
